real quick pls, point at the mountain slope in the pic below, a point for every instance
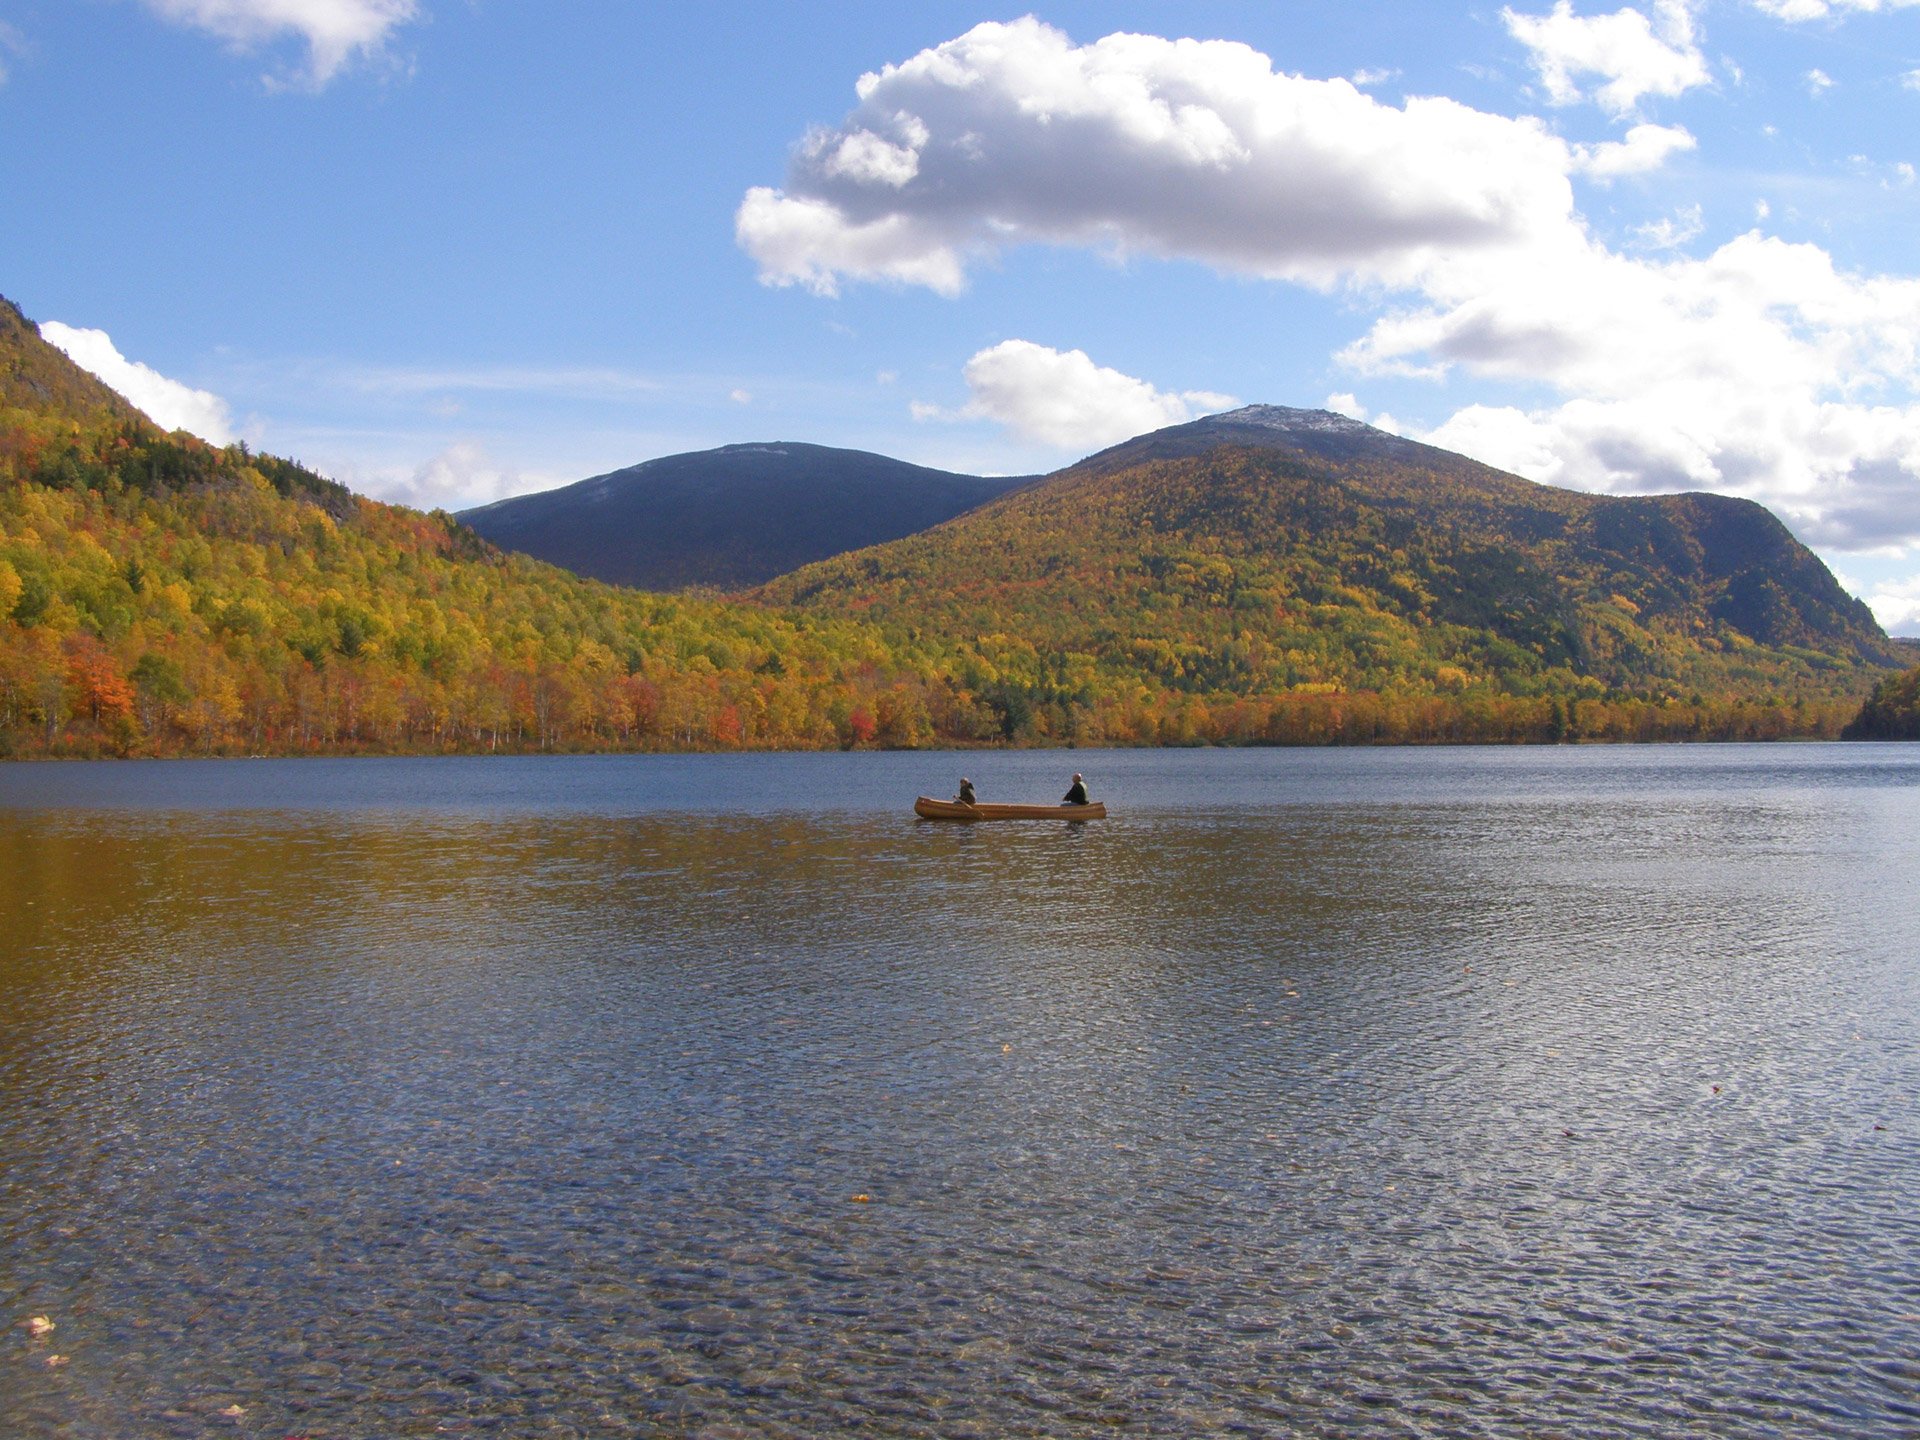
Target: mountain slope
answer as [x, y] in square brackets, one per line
[729, 518]
[38, 380]
[159, 595]
[1329, 556]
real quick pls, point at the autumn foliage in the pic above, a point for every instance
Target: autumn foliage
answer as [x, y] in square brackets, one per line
[161, 596]
[1892, 712]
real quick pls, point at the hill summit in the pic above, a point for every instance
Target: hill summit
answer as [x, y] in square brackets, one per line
[1276, 552]
[1323, 433]
[732, 517]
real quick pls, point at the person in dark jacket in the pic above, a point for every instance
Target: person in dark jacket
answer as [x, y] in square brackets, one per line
[1077, 794]
[965, 797]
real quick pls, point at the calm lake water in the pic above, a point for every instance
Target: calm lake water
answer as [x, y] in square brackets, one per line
[1359, 1093]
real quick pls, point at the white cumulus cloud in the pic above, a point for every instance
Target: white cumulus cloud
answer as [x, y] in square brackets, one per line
[1012, 134]
[1061, 398]
[172, 405]
[1761, 369]
[1632, 55]
[1896, 605]
[1646, 147]
[335, 32]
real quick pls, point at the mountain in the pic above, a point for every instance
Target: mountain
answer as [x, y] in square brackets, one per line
[39, 383]
[730, 518]
[1320, 433]
[1272, 552]
[160, 595]
[1267, 576]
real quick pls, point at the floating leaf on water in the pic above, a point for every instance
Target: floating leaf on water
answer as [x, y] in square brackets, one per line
[234, 1412]
[863, 1199]
[40, 1325]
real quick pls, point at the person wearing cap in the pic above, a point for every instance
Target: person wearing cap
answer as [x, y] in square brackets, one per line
[1077, 794]
[965, 797]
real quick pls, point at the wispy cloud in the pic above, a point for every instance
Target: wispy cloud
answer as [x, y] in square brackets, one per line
[335, 33]
[1673, 231]
[575, 382]
[12, 43]
[1632, 55]
[1825, 9]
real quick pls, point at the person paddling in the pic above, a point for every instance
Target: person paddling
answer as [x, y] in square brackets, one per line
[965, 797]
[1077, 793]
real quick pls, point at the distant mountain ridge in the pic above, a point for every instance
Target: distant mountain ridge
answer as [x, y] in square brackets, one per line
[730, 518]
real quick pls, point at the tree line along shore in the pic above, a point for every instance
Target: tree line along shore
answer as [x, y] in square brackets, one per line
[237, 610]
[160, 596]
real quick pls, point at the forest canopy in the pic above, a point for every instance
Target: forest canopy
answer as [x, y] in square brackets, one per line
[160, 595]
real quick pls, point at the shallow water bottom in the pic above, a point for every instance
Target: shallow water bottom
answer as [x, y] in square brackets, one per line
[1380, 1093]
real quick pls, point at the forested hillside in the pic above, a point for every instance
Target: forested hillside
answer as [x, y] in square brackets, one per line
[1444, 589]
[162, 596]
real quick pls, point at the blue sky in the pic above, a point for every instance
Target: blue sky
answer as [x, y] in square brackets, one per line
[452, 249]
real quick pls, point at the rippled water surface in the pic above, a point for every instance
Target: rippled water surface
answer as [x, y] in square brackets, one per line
[1449, 1092]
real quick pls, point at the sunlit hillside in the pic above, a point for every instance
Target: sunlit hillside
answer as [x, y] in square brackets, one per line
[161, 595]
[1444, 589]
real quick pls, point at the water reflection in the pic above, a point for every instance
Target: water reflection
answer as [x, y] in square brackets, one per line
[1466, 1114]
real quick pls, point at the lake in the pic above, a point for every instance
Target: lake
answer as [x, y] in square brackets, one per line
[1493, 1092]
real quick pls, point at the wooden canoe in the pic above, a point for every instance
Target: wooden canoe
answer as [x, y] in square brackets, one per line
[929, 809]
